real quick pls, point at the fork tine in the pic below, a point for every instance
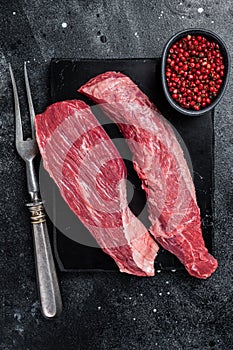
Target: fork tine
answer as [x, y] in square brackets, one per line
[18, 122]
[30, 103]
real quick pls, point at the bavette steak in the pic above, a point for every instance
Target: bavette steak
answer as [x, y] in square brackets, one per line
[160, 163]
[91, 176]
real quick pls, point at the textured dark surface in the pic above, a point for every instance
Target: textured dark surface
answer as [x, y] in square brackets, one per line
[106, 311]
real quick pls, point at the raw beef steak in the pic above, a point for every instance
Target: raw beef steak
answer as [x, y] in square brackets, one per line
[159, 162]
[91, 176]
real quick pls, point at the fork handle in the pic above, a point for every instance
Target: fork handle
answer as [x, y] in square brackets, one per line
[50, 297]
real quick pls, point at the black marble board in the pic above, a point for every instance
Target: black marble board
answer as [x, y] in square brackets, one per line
[66, 77]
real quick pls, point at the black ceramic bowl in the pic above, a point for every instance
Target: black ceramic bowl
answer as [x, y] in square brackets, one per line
[226, 61]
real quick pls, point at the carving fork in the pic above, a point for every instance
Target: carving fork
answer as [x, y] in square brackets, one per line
[50, 297]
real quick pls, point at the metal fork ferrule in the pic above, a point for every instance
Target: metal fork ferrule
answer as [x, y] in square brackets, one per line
[37, 212]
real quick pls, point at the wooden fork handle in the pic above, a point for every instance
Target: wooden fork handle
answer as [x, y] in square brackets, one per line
[50, 297]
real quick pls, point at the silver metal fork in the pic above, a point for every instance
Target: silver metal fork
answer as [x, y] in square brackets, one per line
[50, 297]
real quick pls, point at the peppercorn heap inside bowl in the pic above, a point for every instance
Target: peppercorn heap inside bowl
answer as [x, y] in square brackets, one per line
[195, 71]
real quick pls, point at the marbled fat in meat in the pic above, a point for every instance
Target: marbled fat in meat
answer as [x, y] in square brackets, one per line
[91, 176]
[160, 163]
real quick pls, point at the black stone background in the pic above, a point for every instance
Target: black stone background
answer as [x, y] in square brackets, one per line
[104, 310]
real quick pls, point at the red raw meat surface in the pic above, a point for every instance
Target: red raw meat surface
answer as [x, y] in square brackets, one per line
[160, 163]
[91, 176]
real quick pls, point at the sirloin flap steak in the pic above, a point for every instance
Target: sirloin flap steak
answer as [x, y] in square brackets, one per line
[159, 161]
[91, 177]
